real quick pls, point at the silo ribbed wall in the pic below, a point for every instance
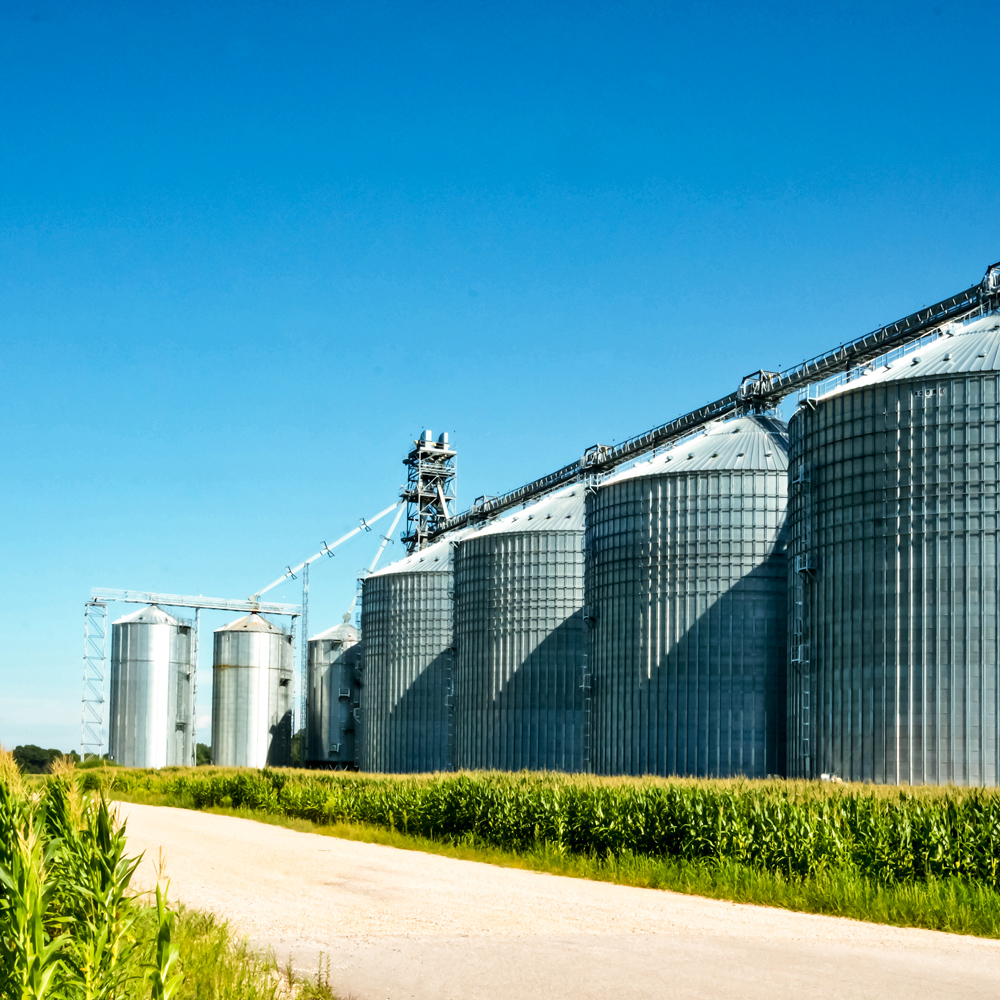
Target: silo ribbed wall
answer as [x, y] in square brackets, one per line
[894, 534]
[521, 650]
[686, 593]
[406, 622]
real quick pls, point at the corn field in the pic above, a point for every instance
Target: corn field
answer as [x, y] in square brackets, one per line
[67, 918]
[796, 830]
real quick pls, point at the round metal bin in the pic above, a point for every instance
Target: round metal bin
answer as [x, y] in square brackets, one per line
[406, 685]
[521, 640]
[151, 711]
[893, 569]
[686, 590]
[333, 697]
[252, 694]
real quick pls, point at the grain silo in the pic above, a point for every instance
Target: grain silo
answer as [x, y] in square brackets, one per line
[686, 598]
[332, 697]
[893, 567]
[521, 640]
[252, 694]
[406, 687]
[150, 722]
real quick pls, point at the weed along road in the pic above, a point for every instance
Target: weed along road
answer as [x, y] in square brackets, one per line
[404, 925]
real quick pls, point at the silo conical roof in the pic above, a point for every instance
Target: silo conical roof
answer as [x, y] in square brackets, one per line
[252, 623]
[562, 511]
[436, 558]
[344, 632]
[151, 614]
[753, 442]
[972, 347]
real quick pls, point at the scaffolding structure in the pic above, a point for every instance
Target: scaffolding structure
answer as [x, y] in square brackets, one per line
[430, 488]
[95, 631]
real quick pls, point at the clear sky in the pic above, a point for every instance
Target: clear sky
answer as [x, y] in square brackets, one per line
[249, 250]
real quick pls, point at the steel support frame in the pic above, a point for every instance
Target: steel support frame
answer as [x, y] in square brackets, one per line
[430, 489]
[95, 631]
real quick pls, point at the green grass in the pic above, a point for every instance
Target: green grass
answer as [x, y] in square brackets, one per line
[72, 927]
[937, 900]
[214, 965]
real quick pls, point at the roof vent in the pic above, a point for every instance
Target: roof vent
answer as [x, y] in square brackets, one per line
[915, 361]
[715, 454]
[947, 357]
[767, 454]
[983, 354]
[741, 454]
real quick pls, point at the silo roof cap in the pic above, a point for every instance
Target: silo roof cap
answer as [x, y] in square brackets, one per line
[753, 442]
[151, 614]
[345, 632]
[562, 511]
[962, 348]
[252, 623]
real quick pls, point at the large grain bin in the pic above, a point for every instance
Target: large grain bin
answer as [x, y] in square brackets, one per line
[406, 621]
[521, 640]
[893, 516]
[151, 713]
[686, 595]
[332, 697]
[252, 694]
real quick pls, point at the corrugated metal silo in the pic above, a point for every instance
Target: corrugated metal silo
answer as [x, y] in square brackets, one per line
[521, 640]
[151, 691]
[252, 694]
[406, 622]
[686, 596]
[893, 512]
[333, 697]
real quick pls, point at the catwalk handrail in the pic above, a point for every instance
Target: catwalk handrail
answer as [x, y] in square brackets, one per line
[758, 392]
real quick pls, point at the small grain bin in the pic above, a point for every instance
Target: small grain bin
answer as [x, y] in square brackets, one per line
[332, 697]
[252, 694]
[151, 710]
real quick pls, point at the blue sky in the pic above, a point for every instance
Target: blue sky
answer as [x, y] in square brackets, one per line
[250, 250]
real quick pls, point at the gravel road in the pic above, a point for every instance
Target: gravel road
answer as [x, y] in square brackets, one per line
[402, 924]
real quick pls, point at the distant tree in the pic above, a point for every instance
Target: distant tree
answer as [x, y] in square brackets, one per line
[298, 756]
[203, 755]
[34, 760]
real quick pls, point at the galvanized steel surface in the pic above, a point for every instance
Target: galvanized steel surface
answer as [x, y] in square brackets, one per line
[894, 540]
[406, 622]
[333, 697]
[686, 595]
[521, 640]
[252, 694]
[151, 692]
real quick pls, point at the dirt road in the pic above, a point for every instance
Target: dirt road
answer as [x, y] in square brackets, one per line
[402, 924]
